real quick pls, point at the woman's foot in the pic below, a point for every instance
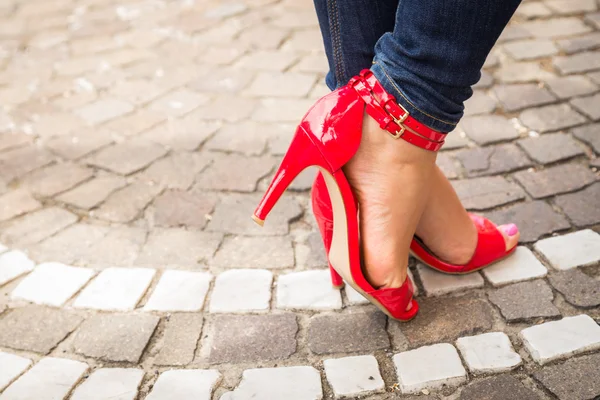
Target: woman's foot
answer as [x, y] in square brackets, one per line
[446, 228]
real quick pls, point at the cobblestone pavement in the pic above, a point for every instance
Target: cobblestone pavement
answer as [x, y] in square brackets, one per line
[135, 138]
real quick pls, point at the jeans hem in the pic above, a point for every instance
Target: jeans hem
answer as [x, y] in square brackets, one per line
[420, 115]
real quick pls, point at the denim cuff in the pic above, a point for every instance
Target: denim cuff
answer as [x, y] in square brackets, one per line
[421, 113]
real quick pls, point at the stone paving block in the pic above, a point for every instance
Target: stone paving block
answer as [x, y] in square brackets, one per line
[520, 266]
[267, 60]
[51, 378]
[589, 134]
[186, 133]
[11, 367]
[577, 63]
[566, 7]
[36, 226]
[346, 333]
[136, 91]
[239, 290]
[447, 165]
[503, 387]
[57, 178]
[179, 291]
[110, 383]
[485, 81]
[247, 137]
[551, 118]
[534, 219]
[593, 18]
[103, 110]
[177, 171]
[566, 87]
[17, 202]
[430, 368]
[588, 106]
[533, 9]
[227, 107]
[281, 110]
[489, 352]
[579, 43]
[136, 122]
[178, 247]
[571, 250]
[180, 339]
[36, 329]
[522, 72]
[530, 49]
[446, 319]
[555, 180]
[354, 376]
[115, 289]
[90, 194]
[252, 252]
[251, 338]
[115, 337]
[578, 288]
[594, 76]
[293, 383]
[307, 290]
[14, 264]
[551, 147]
[479, 103]
[125, 204]
[223, 80]
[52, 284]
[120, 246]
[437, 283]
[524, 301]
[519, 96]
[560, 339]
[176, 208]
[489, 192]
[581, 207]
[220, 176]
[556, 27]
[185, 383]
[18, 162]
[492, 160]
[577, 378]
[127, 157]
[488, 129]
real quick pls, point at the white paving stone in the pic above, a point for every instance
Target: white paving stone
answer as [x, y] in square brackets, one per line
[196, 384]
[436, 283]
[522, 265]
[289, 383]
[351, 376]
[179, 291]
[117, 289]
[110, 383]
[14, 264]
[559, 339]
[50, 379]
[308, 290]
[3, 248]
[11, 367]
[52, 284]
[429, 367]
[571, 250]
[355, 298]
[490, 352]
[241, 290]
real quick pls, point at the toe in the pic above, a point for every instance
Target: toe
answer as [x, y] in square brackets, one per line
[511, 235]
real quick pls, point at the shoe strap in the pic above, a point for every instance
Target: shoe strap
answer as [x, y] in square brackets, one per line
[391, 116]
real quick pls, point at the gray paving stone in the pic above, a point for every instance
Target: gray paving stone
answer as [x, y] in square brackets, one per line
[293, 383]
[530, 49]
[220, 176]
[446, 319]
[287, 84]
[14, 264]
[520, 266]
[103, 110]
[114, 337]
[251, 338]
[175, 208]
[503, 387]
[578, 288]
[179, 384]
[316, 257]
[551, 118]
[436, 283]
[588, 106]
[90, 194]
[18, 162]
[179, 102]
[37, 226]
[186, 133]
[126, 204]
[566, 87]
[577, 378]
[519, 96]
[17, 202]
[551, 147]
[110, 383]
[36, 329]
[488, 129]
[593, 18]
[344, 333]
[524, 301]
[479, 103]
[560, 339]
[492, 160]
[577, 63]
[281, 110]
[246, 137]
[307, 290]
[127, 157]
[51, 378]
[566, 7]
[531, 10]
[556, 27]
[176, 171]
[489, 352]
[178, 247]
[485, 81]
[180, 339]
[575, 44]
[571, 250]
[57, 178]
[590, 134]
[179, 291]
[483, 193]
[534, 219]
[353, 376]
[241, 290]
[513, 32]
[594, 76]
[522, 72]
[447, 165]
[555, 180]
[11, 367]
[581, 207]
[120, 246]
[252, 252]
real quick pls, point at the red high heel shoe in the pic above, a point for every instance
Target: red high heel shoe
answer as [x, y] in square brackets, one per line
[490, 248]
[328, 137]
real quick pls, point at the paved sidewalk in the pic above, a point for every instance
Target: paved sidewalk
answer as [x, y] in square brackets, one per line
[135, 140]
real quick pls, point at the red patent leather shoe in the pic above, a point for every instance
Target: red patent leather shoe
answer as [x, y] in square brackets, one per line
[491, 246]
[328, 137]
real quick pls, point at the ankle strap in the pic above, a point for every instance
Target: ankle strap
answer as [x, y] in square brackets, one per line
[391, 116]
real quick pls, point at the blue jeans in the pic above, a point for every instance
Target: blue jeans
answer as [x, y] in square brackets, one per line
[427, 53]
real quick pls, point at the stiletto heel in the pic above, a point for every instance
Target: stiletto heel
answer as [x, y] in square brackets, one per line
[328, 137]
[336, 280]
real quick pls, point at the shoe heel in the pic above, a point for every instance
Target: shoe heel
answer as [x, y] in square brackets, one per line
[336, 280]
[301, 154]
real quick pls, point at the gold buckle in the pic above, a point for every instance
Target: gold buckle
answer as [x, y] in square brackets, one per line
[400, 132]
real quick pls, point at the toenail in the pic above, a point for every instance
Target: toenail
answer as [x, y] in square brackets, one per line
[510, 229]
